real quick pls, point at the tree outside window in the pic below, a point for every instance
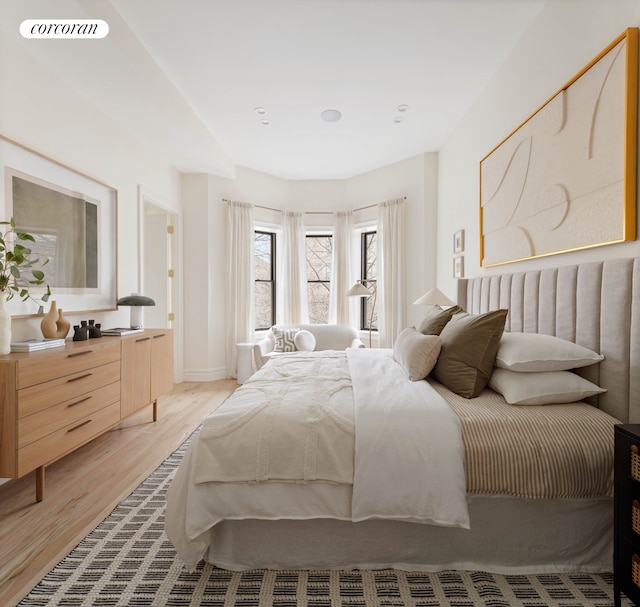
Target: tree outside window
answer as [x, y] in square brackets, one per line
[265, 279]
[369, 256]
[319, 257]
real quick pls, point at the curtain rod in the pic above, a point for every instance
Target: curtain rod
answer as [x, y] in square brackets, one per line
[259, 206]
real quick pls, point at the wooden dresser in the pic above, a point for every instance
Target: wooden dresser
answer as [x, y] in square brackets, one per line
[626, 539]
[53, 401]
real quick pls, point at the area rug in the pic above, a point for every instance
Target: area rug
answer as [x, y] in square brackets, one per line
[127, 561]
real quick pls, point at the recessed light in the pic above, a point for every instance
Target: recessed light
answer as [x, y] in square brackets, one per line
[403, 108]
[260, 110]
[398, 119]
[265, 122]
[331, 115]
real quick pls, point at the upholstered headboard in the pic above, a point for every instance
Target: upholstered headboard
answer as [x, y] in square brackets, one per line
[594, 304]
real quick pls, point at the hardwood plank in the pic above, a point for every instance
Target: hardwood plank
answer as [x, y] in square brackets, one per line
[85, 486]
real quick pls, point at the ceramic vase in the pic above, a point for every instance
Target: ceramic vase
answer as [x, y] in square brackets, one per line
[48, 324]
[5, 325]
[62, 326]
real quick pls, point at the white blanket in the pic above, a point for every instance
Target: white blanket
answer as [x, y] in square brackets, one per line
[409, 456]
[405, 462]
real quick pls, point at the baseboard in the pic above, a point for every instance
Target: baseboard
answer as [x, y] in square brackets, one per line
[204, 374]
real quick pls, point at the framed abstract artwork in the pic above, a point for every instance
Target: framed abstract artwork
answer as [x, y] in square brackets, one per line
[565, 179]
[458, 267]
[458, 241]
[73, 219]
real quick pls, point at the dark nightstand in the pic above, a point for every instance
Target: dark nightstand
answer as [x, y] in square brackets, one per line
[626, 539]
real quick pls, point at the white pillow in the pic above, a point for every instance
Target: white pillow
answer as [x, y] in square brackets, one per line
[541, 388]
[304, 341]
[536, 352]
[416, 353]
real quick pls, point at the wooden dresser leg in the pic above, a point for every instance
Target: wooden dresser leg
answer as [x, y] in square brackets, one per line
[39, 484]
[155, 410]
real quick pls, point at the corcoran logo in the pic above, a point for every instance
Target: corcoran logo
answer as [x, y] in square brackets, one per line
[64, 28]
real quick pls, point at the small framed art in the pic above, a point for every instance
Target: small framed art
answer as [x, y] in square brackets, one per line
[458, 266]
[458, 241]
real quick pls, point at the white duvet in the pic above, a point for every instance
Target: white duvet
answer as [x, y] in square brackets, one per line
[321, 435]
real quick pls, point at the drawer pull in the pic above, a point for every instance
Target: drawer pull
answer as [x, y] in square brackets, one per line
[79, 426]
[635, 462]
[79, 377]
[143, 339]
[159, 335]
[79, 353]
[78, 402]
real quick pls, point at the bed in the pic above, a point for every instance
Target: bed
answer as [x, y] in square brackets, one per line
[517, 509]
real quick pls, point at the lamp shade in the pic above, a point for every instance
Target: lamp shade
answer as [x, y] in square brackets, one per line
[136, 300]
[358, 290]
[434, 297]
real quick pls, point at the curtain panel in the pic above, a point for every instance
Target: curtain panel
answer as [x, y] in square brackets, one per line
[239, 280]
[340, 306]
[390, 271]
[293, 275]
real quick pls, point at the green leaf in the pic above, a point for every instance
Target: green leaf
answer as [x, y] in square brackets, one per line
[38, 274]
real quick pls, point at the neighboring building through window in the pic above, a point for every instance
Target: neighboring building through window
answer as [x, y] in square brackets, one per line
[265, 279]
[319, 256]
[368, 272]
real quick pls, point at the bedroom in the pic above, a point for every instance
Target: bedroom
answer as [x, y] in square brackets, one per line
[559, 41]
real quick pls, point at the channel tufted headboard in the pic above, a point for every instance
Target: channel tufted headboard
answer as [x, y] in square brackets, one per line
[594, 304]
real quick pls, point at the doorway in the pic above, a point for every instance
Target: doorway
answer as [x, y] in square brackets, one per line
[158, 274]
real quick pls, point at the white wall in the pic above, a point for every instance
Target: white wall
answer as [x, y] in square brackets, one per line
[415, 178]
[53, 118]
[564, 38]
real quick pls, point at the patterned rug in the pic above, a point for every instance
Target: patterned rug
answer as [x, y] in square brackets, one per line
[127, 561]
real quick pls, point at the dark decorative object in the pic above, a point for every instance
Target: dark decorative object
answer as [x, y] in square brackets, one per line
[94, 330]
[81, 332]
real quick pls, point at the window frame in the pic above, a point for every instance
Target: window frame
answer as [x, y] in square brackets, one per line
[364, 312]
[272, 280]
[320, 234]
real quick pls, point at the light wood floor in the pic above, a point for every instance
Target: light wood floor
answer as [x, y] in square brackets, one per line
[83, 487]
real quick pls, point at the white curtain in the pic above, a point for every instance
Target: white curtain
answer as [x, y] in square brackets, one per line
[341, 306]
[390, 271]
[239, 280]
[293, 274]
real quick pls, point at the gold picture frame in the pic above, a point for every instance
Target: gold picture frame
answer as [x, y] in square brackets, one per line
[565, 179]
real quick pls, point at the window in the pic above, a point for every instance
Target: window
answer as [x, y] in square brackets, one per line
[319, 254]
[368, 272]
[265, 279]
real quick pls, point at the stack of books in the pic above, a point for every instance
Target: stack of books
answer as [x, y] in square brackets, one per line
[30, 345]
[121, 331]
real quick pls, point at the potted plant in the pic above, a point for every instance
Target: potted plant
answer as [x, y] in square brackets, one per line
[17, 276]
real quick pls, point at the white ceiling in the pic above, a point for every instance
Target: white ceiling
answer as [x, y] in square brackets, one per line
[186, 76]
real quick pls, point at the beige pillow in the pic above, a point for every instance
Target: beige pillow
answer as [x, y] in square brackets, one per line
[469, 346]
[416, 353]
[436, 318]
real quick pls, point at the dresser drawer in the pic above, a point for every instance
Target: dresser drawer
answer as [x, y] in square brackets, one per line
[40, 424]
[46, 365]
[65, 440]
[62, 389]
